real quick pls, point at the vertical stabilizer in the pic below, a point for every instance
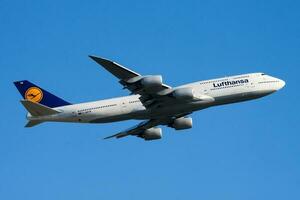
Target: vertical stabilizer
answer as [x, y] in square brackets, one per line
[34, 93]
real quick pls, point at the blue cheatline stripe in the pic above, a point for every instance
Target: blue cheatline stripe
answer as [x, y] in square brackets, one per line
[48, 99]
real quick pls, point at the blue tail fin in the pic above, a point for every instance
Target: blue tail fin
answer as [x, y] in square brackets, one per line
[36, 94]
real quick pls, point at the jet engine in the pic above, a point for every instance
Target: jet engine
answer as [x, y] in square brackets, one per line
[152, 134]
[182, 123]
[184, 93]
[152, 81]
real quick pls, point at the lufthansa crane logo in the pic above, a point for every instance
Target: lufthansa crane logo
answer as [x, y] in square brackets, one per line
[34, 94]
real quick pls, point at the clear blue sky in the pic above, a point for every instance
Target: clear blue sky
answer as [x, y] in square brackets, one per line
[242, 151]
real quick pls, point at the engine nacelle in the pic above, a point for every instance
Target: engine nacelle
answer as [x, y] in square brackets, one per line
[182, 123]
[152, 81]
[184, 93]
[152, 134]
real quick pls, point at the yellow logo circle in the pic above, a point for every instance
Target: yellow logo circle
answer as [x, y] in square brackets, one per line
[34, 94]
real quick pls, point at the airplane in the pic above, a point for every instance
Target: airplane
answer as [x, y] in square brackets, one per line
[150, 100]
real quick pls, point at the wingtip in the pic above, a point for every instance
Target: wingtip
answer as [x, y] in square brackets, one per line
[98, 59]
[92, 56]
[109, 137]
[116, 136]
[99, 139]
[95, 58]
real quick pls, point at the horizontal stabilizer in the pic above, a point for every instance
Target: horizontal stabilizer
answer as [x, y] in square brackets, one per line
[36, 109]
[33, 123]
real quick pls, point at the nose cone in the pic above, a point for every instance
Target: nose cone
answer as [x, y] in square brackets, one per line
[281, 84]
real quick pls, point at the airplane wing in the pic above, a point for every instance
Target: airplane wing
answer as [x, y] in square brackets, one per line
[151, 88]
[136, 130]
[139, 129]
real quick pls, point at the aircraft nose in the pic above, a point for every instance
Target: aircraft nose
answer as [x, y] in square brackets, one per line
[281, 84]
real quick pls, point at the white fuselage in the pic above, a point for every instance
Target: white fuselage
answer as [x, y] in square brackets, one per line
[211, 93]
